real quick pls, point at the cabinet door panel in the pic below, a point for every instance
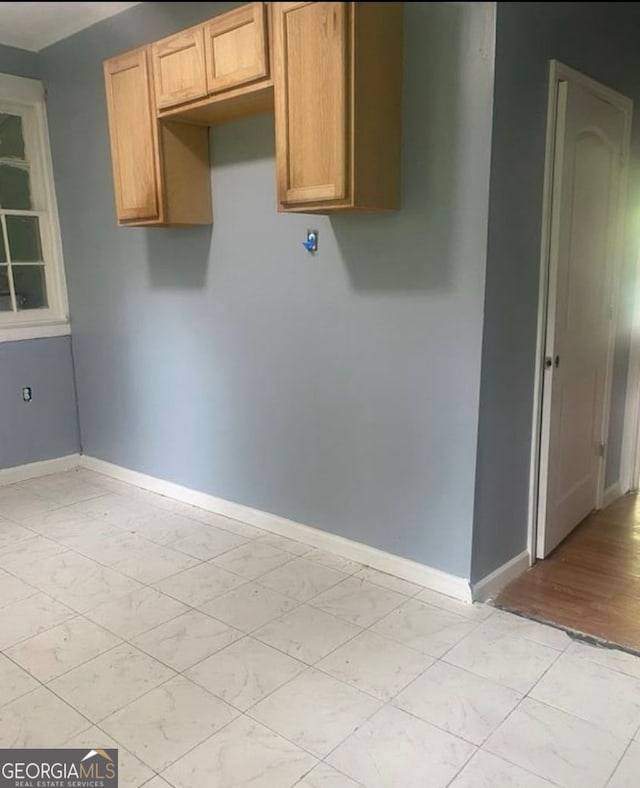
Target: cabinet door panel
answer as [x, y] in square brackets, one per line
[311, 100]
[236, 48]
[132, 129]
[179, 68]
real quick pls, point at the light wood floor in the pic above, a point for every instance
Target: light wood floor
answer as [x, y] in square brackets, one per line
[591, 582]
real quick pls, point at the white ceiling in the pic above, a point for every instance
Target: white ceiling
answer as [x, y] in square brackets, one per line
[34, 26]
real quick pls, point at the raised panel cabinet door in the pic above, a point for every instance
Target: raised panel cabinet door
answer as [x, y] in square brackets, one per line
[179, 68]
[311, 93]
[236, 48]
[132, 133]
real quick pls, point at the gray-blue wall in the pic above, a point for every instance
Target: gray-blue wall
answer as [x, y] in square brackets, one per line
[47, 427]
[601, 40]
[340, 391]
[19, 62]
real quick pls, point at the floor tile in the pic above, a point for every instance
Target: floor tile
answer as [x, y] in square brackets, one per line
[283, 543]
[225, 523]
[424, 627]
[457, 701]
[301, 579]
[110, 681]
[612, 701]
[306, 633]
[245, 672]
[252, 560]
[154, 563]
[156, 500]
[199, 585]
[64, 525]
[62, 648]
[38, 720]
[557, 746]
[10, 533]
[28, 617]
[627, 771]
[156, 782]
[488, 771]
[14, 681]
[391, 582]
[504, 657]
[333, 561]
[22, 558]
[122, 511]
[315, 711]
[134, 613]
[63, 488]
[105, 544]
[474, 612]
[166, 528]
[209, 542]
[242, 755]
[81, 583]
[376, 665]
[186, 640]
[394, 749]
[502, 622]
[12, 589]
[607, 657]
[358, 601]
[132, 773]
[249, 606]
[19, 505]
[325, 776]
[167, 722]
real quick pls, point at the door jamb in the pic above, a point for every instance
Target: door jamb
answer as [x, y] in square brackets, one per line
[559, 72]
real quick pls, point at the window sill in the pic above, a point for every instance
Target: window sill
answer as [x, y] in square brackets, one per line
[34, 330]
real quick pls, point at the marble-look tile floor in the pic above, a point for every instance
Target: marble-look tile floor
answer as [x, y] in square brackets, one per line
[212, 653]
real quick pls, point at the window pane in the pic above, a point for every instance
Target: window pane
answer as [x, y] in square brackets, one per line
[24, 239]
[14, 188]
[11, 139]
[30, 286]
[3, 252]
[5, 293]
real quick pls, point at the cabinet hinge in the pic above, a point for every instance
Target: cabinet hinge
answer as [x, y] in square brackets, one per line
[601, 449]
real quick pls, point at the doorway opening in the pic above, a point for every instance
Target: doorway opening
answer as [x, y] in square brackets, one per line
[584, 535]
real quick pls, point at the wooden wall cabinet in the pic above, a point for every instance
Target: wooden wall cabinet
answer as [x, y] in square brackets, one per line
[236, 48]
[179, 68]
[160, 168]
[337, 85]
[336, 90]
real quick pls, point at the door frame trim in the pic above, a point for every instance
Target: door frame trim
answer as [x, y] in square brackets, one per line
[559, 72]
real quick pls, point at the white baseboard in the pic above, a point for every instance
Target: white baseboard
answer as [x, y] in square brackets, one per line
[414, 572]
[21, 473]
[492, 583]
[611, 494]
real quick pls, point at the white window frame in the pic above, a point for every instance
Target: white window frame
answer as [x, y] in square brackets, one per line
[26, 97]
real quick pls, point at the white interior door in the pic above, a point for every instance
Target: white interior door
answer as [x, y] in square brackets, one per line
[585, 222]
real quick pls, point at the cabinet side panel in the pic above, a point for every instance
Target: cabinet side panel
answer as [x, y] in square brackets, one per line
[185, 154]
[377, 100]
